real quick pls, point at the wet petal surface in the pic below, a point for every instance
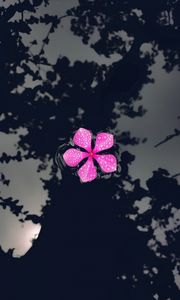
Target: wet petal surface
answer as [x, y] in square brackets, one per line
[88, 171]
[82, 138]
[107, 162]
[73, 157]
[103, 141]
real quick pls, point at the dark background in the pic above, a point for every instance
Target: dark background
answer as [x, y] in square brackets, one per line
[108, 66]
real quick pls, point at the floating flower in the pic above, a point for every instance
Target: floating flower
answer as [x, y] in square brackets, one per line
[83, 139]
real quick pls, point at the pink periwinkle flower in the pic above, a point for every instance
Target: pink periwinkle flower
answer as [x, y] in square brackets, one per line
[83, 139]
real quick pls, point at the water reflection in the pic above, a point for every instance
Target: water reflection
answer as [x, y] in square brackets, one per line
[161, 100]
[123, 227]
[22, 198]
[16, 235]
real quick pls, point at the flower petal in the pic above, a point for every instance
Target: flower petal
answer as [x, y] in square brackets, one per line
[88, 171]
[107, 162]
[103, 141]
[73, 157]
[82, 138]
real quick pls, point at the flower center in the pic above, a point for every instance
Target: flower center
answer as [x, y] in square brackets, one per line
[91, 153]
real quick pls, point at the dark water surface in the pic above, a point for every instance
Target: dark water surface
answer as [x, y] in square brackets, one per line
[110, 66]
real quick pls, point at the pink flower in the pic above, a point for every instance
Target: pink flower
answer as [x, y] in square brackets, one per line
[83, 138]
